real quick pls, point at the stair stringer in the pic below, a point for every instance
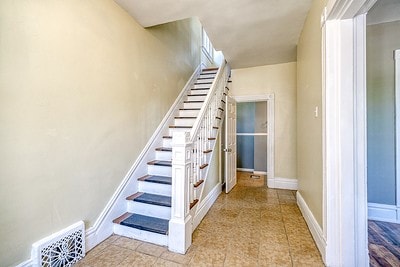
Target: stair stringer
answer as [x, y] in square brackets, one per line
[103, 226]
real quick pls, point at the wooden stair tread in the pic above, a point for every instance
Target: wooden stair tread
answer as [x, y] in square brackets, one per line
[212, 68]
[205, 88]
[147, 223]
[122, 217]
[189, 109]
[203, 166]
[198, 183]
[197, 95]
[193, 101]
[187, 117]
[165, 149]
[165, 163]
[193, 203]
[180, 126]
[156, 179]
[167, 137]
[132, 197]
[207, 151]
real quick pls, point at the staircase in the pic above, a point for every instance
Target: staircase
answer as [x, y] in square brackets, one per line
[148, 211]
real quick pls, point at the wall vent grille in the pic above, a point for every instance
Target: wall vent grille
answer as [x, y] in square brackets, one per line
[61, 249]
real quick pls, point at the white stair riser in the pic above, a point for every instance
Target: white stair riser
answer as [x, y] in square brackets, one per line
[163, 155]
[149, 210]
[205, 75]
[159, 170]
[193, 105]
[196, 98]
[184, 122]
[172, 130]
[204, 80]
[167, 142]
[200, 91]
[188, 113]
[155, 188]
[196, 86]
[146, 236]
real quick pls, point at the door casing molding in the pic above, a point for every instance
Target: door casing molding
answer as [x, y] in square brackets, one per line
[270, 98]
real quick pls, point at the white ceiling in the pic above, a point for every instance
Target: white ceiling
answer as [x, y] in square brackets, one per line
[249, 32]
[384, 11]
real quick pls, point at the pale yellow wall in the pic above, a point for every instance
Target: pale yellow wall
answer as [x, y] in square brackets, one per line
[82, 89]
[309, 96]
[279, 79]
[213, 177]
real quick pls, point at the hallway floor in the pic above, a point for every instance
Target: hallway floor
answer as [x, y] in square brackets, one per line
[250, 226]
[383, 243]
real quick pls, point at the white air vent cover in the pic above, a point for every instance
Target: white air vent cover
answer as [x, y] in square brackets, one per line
[61, 249]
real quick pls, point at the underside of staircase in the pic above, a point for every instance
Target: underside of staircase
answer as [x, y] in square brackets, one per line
[148, 211]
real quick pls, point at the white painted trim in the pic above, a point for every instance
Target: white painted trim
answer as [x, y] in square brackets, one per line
[270, 98]
[103, 227]
[28, 263]
[382, 212]
[206, 204]
[252, 134]
[397, 118]
[282, 183]
[345, 145]
[315, 228]
[244, 170]
[260, 173]
[253, 98]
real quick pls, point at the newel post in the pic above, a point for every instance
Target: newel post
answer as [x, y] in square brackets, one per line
[180, 225]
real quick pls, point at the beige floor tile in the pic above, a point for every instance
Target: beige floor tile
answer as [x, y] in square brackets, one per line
[179, 258]
[274, 258]
[138, 259]
[208, 257]
[128, 243]
[233, 259]
[165, 263]
[151, 249]
[111, 256]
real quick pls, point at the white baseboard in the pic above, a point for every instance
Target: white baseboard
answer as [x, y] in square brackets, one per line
[282, 183]
[244, 170]
[206, 204]
[315, 229]
[383, 212]
[27, 263]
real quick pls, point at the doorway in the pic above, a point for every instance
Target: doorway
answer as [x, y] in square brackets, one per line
[252, 137]
[255, 135]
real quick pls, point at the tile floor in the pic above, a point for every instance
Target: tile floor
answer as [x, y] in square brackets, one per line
[250, 226]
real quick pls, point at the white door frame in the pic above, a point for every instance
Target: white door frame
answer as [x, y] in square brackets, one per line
[397, 93]
[270, 98]
[344, 140]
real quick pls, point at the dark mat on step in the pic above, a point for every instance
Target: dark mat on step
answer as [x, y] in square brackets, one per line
[146, 223]
[159, 179]
[154, 199]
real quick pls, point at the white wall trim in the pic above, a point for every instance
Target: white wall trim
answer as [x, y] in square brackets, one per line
[315, 228]
[397, 118]
[28, 263]
[345, 204]
[244, 170]
[282, 183]
[206, 204]
[383, 212]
